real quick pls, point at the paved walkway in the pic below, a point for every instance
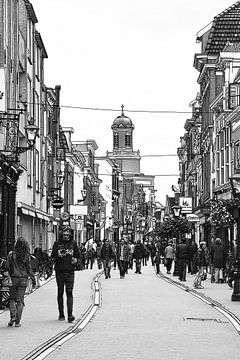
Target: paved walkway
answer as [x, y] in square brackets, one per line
[142, 317]
[219, 292]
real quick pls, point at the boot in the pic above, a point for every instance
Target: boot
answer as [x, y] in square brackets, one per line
[13, 312]
[19, 314]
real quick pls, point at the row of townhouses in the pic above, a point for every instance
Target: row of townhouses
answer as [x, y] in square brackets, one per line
[45, 177]
[209, 153]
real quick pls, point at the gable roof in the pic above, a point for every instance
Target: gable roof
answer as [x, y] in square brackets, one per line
[225, 28]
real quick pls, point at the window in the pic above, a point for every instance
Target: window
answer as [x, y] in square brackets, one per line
[236, 155]
[37, 62]
[29, 41]
[233, 95]
[37, 171]
[29, 168]
[29, 97]
[36, 106]
[115, 140]
[128, 140]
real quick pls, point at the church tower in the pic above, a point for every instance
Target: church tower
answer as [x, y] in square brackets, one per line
[123, 153]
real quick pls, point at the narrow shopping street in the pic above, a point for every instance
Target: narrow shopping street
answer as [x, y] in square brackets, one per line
[141, 316]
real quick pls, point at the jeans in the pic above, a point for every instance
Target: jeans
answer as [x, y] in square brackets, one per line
[122, 267]
[182, 269]
[157, 268]
[107, 268]
[17, 292]
[65, 280]
[169, 264]
[138, 265]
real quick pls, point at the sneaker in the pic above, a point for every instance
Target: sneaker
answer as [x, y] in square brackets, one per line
[71, 318]
[61, 318]
[199, 287]
[11, 322]
[17, 324]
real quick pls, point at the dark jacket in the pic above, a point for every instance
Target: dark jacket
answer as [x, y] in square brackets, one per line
[63, 252]
[139, 251]
[192, 249]
[182, 251]
[219, 256]
[106, 252]
[19, 269]
[157, 259]
[126, 252]
[202, 257]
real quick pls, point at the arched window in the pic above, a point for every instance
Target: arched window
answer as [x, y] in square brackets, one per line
[115, 140]
[128, 140]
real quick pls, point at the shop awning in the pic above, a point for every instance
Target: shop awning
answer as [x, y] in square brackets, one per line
[42, 216]
[28, 212]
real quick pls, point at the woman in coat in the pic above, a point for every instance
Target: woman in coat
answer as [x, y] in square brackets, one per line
[219, 260]
[19, 267]
[201, 259]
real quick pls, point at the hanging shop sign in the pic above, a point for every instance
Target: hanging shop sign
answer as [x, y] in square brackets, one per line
[186, 205]
[57, 203]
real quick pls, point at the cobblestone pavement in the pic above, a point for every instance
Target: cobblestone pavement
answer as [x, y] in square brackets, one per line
[142, 317]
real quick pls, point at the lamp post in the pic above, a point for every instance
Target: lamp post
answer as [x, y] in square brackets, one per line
[176, 209]
[235, 185]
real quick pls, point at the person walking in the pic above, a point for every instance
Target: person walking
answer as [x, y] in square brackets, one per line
[219, 260]
[182, 257]
[98, 254]
[201, 259]
[122, 257]
[157, 261]
[90, 256]
[152, 249]
[169, 255]
[192, 251]
[65, 253]
[138, 255]
[106, 257]
[18, 265]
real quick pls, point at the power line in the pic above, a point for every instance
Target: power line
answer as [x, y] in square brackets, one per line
[147, 111]
[106, 174]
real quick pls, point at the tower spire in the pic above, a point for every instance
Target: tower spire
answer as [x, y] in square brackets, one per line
[122, 109]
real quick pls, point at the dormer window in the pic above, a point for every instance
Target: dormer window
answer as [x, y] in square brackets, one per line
[128, 140]
[115, 140]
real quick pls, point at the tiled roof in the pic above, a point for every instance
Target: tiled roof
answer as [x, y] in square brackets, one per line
[225, 28]
[232, 47]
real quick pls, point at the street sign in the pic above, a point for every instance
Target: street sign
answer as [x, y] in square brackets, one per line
[78, 209]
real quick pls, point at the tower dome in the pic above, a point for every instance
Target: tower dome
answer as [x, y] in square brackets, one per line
[122, 121]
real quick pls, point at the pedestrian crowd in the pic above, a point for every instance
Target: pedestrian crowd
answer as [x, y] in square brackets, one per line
[67, 256]
[200, 261]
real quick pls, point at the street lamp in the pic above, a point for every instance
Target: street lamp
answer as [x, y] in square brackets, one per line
[235, 185]
[31, 133]
[84, 195]
[176, 209]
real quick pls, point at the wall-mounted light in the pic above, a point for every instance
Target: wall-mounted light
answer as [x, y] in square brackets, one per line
[84, 195]
[176, 209]
[31, 134]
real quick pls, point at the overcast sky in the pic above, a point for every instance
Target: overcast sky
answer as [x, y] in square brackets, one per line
[134, 52]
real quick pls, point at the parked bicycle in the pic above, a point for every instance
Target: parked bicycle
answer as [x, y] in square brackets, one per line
[4, 290]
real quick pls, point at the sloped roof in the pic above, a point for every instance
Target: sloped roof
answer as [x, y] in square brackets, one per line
[225, 28]
[232, 47]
